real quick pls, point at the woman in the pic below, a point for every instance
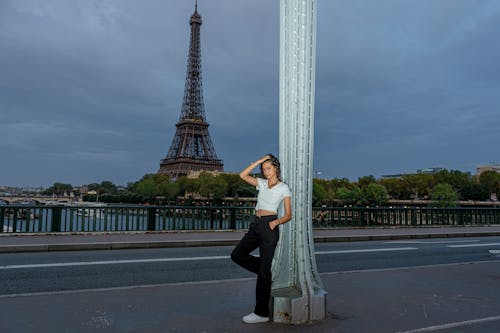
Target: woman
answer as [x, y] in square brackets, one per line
[263, 232]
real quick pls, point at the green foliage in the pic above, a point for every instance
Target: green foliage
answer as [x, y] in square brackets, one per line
[475, 191]
[353, 196]
[212, 187]
[147, 187]
[397, 188]
[444, 195]
[187, 185]
[319, 194]
[367, 191]
[105, 187]
[59, 189]
[108, 187]
[233, 183]
[375, 195]
[372, 195]
[124, 197]
[152, 186]
[326, 190]
[364, 181]
[491, 181]
[421, 184]
[246, 190]
[457, 179]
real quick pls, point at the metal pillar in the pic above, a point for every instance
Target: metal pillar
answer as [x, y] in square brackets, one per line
[298, 295]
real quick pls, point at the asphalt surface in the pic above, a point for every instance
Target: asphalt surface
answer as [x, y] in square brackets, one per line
[459, 297]
[408, 281]
[45, 271]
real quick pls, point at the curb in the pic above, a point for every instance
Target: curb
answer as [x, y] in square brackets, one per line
[217, 242]
[327, 239]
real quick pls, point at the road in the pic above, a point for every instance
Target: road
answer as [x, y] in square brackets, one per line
[22, 273]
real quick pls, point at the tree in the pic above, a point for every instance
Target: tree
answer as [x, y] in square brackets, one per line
[475, 191]
[421, 184]
[319, 194]
[59, 189]
[364, 181]
[375, 194]
[457, 179]
[491, 180]
[188, 185]
[352, 196]
[444, 195]
[246, 190]
[146, 187]
[168, 189]
[107, 187]
[212, 187]
[329, 188]
[152, 186]
[397, 188]
[233, 183]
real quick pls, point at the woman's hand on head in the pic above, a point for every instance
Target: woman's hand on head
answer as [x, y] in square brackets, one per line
[267, 157]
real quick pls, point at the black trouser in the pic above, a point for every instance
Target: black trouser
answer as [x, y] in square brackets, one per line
[259, 235]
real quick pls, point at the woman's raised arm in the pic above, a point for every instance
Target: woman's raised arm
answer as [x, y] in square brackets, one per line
[245, 174]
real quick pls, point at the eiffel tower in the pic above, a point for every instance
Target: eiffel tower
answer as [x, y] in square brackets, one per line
[191, 148]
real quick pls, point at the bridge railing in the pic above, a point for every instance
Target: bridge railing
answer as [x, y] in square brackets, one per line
[399, 216]
[95, 218]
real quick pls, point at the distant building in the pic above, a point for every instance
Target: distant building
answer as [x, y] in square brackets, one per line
[425, 171]
[490, 167]
[430, 170]
[82, 189]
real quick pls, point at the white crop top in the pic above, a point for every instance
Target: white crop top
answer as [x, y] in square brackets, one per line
[270, 199]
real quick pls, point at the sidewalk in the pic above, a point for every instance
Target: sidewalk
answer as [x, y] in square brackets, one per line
[128, 240]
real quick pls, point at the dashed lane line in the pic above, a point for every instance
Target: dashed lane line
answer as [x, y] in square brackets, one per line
[134, 261]
[475, 245]
[225, 281]
[368, 250]
[452, 325]
[432, 242]
[110, 262]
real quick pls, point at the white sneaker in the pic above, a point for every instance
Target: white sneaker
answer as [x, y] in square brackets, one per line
[252, 318]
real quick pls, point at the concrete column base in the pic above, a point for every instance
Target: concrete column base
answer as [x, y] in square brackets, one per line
[290, 306]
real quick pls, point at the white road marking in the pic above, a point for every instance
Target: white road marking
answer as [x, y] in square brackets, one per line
[399, 268]
[110, 262]
[431, 242]
[134, 261]
[369, 250]
[76, 291]
[451, 325]
[495, 252]
[475, 245]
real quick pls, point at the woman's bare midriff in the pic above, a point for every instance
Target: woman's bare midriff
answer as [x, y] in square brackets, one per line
[263, 212]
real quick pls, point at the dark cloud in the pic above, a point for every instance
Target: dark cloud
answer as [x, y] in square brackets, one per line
[91, 90]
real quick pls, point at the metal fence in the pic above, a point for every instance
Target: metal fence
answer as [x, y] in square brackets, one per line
[399, 216]
[41, 219]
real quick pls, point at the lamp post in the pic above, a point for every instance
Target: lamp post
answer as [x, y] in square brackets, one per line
[298, 295]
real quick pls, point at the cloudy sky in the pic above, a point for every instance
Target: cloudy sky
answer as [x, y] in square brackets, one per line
[90, 90]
